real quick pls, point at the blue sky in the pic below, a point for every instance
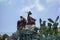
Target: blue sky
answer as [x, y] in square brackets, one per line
[10, 10]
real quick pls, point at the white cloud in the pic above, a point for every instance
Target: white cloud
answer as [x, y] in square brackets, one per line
[27, 8]
[37, 5]
[51, 3]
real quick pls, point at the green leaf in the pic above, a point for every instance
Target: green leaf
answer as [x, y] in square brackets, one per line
[40, 21]
[55, 24]
[44, 23]
[50, 20]
[57, 19]
[49, 25]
